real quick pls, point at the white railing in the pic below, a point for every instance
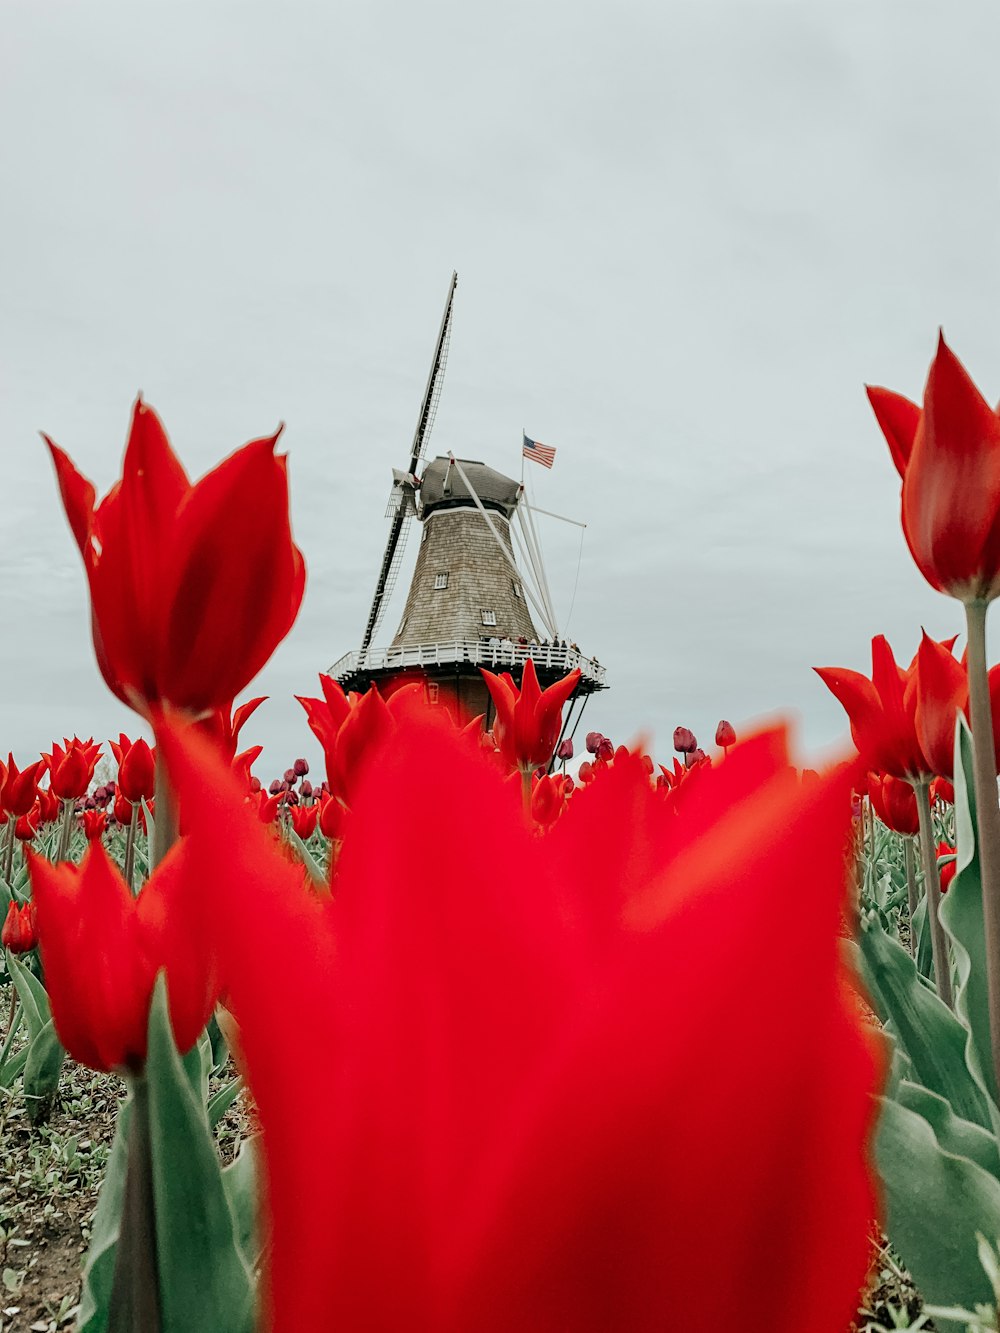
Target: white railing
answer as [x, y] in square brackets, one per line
[475, 652]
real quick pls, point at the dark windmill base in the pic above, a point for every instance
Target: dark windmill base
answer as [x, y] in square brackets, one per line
[452, 675]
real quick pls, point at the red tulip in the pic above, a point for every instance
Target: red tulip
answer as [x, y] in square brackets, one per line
[26, 826]
[164, 631]
[136, 769]
[948, 455]
[19, 933]
[48, 806]
[528, 719]
[71, 767]
[684, 740]
[725, 734]
[17, 795]
[350, 726]
[518, 1125]
[102, 949]
[942, 790]
[895, 709]
[332, 818]
[94, 822]
[304, 820]
[895, 803]
[549, 794]
[947, 864]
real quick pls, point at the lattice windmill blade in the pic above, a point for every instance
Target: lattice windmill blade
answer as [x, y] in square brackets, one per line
[402, 497]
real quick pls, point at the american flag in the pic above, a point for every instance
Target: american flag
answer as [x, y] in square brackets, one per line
[541, 453]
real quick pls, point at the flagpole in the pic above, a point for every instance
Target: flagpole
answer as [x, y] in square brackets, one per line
[522, 457]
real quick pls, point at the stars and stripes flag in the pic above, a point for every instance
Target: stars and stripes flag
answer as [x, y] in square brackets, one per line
[540, 453]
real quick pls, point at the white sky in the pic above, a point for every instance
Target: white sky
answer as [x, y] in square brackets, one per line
[686, 235]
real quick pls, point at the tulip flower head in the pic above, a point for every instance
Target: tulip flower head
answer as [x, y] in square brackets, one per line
[71, 767]
[102, 950]
[511, 1132]
[165, 633]
[529, 719]
[19, 933]
[725, 734]
[136, 769]
[947, 864]
[684, 740]
[20, 786]
[895, 802]
[948, 456]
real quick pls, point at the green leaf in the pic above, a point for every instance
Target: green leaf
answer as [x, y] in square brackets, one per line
[10, 1069]
[929, 1033]
[313, 868]
[962, 918]
[936, 1203]
[222, 1101]
[41, 1073]
[32, 995]
[954, 1134]
[925, 952]
[100, 1263]
[205, 1280]
[240, 1180]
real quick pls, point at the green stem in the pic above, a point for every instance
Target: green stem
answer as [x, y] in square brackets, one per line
[911, 890]
[65, 828]
[164, 817]
[133, 828]
[8, 855]
[134, 1301]
[987, 810]
[526, 790]
[932, 888]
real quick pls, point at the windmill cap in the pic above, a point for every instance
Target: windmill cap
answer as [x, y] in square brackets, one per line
[442, 486]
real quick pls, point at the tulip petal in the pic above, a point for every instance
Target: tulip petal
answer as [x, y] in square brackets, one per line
[898, 418]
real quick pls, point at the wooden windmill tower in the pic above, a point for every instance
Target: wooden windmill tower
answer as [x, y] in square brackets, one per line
[470, 603]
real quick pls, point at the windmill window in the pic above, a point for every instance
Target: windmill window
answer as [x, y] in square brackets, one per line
[441, 580]
[516, 587]
[489, 617]
[433, 691]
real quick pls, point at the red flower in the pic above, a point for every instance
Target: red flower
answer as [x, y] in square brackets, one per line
[893, 711]
[895, 802]
[164, 631]
[528, 719]
[17, 795]
[549, 795]
[136, 769]
[725, 734]
[19, 933]
[94, 822]
[350, 726]
[304, 820]
[226, 724]
[948, 456]
[506, 1037]
[71, 767]
[26, 826]
[332, 819]
[942, 790]
[947, 864]
[102, 949]
[684, 740]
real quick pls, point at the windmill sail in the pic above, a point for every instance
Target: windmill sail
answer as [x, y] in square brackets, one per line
[401, 498]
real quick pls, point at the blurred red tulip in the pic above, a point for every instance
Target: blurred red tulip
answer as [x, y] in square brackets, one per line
[71, 767]
[518, 1127]
[593, 741]
[332, 818]
[26, 826]
[948, 455]
[48, 806]
[102, 949]
[529, 719]
[549, 794]
[349, 726]
[225, 724]
[942, 790]
[19, 933]
[165, 632]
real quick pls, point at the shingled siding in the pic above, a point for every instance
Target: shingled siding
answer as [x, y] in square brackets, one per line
[457, 542]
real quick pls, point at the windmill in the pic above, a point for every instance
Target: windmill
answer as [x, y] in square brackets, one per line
[471, 602]
[402, 498]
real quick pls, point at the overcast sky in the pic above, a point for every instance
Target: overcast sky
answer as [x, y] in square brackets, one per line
[686, 235]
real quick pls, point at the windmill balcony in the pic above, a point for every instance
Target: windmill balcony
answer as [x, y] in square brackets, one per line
[548, 658]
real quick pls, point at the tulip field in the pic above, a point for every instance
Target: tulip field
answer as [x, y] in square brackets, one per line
[271, 1060]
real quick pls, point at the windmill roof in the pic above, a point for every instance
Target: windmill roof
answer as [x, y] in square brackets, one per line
[441, 486]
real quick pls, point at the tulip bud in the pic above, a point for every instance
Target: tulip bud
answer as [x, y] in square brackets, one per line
[254, 783]
[275, 787]
[605, 750]
[725, 734]
[594, 739]
[301, 768]
[19, 933]
[305, 787]
[565, 750]
[684, 740]
[289, 775]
